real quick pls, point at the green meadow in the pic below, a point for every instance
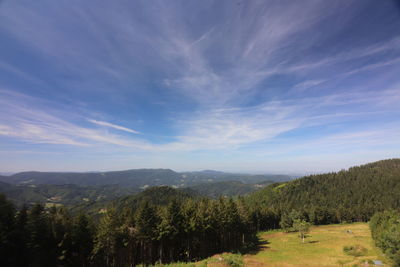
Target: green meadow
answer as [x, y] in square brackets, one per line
[324, 246]
[328, 245]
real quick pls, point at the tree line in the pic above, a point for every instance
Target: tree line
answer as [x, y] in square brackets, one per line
[183, 230]
[385, 230]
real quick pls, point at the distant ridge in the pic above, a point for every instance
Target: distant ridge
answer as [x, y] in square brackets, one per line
[139, 178]
[6, 173]
[132, 178]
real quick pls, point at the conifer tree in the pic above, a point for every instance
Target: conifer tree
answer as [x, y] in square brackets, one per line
[82, 240]
[7, 221]
[40, 241]
[147, 221]
[105, 243]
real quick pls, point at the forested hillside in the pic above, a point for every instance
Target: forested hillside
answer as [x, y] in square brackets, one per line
[178, 229]
[69, 195]
[94, 198]
[227, 188]
[352, 195]
[85, 191]
[164, 224]
[215, 176]
[158, 196]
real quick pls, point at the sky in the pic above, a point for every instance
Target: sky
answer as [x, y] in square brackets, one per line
[241, 86]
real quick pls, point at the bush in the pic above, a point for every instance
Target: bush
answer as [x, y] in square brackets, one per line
[385, 229]
[356, 250]
[233, 260]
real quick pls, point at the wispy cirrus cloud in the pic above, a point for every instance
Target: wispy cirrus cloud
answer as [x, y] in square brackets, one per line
[240, 80]
[224, 62]
[219, 128]
[216, 129]
[26, 118]
[304, 85]
[250, 75]
[118, 127]
[262, 37]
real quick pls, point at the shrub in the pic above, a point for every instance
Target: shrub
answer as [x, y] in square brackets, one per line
[233, 260]
[356, 250]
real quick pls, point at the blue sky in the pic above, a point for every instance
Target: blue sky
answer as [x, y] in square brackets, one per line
[249, 86]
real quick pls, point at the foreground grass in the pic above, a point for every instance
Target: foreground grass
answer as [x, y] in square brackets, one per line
[220, 260]
[347, 245]
[323, 247]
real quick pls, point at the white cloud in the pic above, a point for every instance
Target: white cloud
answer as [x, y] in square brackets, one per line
[30, 119]
[107, 124]
[222, 63]
[213, 129]
[303, 86]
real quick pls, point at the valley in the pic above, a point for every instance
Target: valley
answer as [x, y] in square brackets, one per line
[211, 224]
[83, 191]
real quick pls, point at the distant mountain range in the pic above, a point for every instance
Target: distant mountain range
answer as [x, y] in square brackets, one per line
[138, 178]
[371, 187]
[6, 173]
[82, 190]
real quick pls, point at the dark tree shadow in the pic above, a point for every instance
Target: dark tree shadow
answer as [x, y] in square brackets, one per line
[255, 246]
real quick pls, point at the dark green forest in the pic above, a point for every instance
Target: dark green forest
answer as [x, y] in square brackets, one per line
[70, 195]
[385, 230]
[178, 229]
[163, 224]
[227, 188]
[345, 196]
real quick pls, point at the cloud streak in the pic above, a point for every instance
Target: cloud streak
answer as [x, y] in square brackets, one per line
[213, 130]
[107, 124]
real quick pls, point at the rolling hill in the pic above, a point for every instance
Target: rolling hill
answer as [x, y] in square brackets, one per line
[88, 190]
[132, 178]
[158, 195]
[139, 178]
[227, 188]
[193, 227]
[69, 195]
[349, 195]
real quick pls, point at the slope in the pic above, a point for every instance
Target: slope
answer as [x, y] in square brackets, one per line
[352, 195]
[68, 195]
[227, 188]
[158, 196]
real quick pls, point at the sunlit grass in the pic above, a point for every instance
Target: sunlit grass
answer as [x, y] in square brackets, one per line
[220, 260]
[323, 247]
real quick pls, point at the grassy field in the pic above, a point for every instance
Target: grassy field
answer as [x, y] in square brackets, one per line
[220, 260]
[323, 247]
